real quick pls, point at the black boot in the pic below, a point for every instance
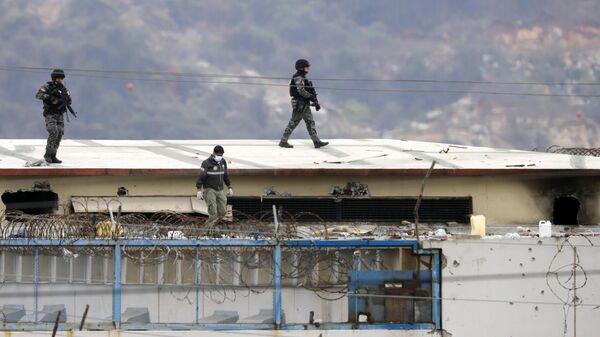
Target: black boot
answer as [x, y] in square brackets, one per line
[285, 144]
[55, 160]
[48, 157]
[319, 143]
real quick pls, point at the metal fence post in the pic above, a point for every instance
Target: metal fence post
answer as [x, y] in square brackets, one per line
[435, 275]
[258, 244]
[36, 281]
[116, 314]
[197, 281]
[277, 283]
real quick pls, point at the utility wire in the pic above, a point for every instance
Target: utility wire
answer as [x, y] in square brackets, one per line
[151, 288]
[459, 299]
[339, 79]
[270, 84]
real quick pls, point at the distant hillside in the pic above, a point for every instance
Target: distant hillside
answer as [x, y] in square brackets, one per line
[509, 41]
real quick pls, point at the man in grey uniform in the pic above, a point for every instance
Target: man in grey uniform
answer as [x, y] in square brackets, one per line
[213, 174]
[302, 93]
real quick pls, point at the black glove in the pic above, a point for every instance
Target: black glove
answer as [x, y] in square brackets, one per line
[317, 106]
[55, 98]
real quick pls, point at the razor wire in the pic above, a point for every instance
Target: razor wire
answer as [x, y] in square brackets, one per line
[226, 272]
[575, 151]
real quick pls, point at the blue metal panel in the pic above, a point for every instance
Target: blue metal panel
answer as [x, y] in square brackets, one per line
[374, 281]
[65, 243]
[116, 312]
[215, 242]
[395, 326]
[139, 242]
[351, 243]
[277, 283]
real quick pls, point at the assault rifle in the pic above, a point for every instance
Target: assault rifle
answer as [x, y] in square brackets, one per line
[309, 87]
[64, 99]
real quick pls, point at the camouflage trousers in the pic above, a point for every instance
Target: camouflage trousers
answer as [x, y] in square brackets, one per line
[300, 111]
[55, 124]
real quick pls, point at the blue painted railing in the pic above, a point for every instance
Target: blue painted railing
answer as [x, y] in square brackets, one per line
[277, 299]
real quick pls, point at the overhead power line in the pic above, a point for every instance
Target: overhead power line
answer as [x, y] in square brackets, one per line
[234, 80]
[150, 288]
[261, 77]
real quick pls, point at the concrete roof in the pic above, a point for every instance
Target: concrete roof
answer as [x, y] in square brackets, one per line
[347, 156]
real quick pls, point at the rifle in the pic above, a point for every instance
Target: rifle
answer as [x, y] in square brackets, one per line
[64, 100]
[309, 87]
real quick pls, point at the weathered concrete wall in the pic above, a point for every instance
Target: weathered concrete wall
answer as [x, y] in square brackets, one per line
[500, 288]
[491, 287]
[524, 199]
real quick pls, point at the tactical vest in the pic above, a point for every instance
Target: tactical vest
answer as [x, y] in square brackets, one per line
[54, 108]
[293, 90]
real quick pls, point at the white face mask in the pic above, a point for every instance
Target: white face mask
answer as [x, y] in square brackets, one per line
[218, 158]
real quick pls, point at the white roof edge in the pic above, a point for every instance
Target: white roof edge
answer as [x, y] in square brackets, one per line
[261, 154]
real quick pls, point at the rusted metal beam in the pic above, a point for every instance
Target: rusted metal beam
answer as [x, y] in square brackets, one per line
[362, 172]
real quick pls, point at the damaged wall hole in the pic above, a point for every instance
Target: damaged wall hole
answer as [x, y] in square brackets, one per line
[565, 210]
[39, 200]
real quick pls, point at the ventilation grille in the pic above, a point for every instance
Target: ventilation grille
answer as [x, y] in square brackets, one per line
[384, 209]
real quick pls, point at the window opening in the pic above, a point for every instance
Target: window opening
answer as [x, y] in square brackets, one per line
[566, 209]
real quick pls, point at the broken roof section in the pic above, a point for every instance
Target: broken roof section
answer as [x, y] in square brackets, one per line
[342, 156]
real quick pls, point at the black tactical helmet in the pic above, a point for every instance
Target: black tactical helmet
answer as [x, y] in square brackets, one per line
[218, 149]
[57, 73]
[301, 63]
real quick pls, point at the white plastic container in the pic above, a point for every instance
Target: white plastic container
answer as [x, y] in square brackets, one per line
[545, 228]
[478, 225]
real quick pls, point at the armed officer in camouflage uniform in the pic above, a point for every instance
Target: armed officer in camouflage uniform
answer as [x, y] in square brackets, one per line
[56, 98]
[213, 174]
[302, 93]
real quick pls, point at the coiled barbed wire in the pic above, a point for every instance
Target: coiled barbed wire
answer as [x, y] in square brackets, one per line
[226, 273]
[576, 151]
[165, 225]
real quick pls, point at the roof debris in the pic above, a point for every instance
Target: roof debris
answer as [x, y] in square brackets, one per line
[352, 188]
